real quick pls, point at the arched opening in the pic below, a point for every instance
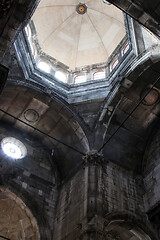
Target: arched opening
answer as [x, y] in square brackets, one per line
[127, 226]
[80, 79]
[99, 75]
[16, 220]
[120, 229]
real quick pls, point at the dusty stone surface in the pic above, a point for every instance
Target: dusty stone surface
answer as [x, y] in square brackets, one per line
[58, 195]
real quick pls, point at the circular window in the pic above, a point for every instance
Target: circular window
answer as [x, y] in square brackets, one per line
[81, 8]
[13, 148]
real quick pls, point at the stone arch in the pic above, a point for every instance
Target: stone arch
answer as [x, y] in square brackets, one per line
[151, 172]
[148, 9]
[58, 120]
[17, 221]
[124, 225]
[11, 178]
[140, 123]
[76, 123]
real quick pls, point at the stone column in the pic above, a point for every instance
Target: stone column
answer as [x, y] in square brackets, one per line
[93, 162]
[79, 208]
[94, 223]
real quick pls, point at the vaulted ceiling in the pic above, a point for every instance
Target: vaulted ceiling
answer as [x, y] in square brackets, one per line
[79, 126]
[48, 116]
[78, 38]
[146, 12]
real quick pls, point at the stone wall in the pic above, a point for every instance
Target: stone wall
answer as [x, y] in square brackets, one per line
[122, 191]
[146, 12]
[152, 183]
[34, 180]
[13, 16]
[71, 206]
[94, 192]
[152, 172]
[17, 222]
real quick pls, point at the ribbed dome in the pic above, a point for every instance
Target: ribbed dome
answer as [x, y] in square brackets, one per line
[78, 35]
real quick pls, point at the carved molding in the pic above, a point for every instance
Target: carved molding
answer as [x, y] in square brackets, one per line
[93, 158]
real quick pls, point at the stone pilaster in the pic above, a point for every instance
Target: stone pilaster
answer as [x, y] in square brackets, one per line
[94, 222]
[93, 158]
[93, 162]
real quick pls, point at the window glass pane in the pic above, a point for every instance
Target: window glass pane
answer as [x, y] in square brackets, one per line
[61, 76]
[28, 31]
[13, 148]
[44, 66]
[114, 64]
[126, 49]
[99, 75]
[80, 79]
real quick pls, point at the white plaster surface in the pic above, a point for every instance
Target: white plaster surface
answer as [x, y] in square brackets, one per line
[78, 40]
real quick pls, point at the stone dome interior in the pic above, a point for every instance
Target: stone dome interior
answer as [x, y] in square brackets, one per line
[91, 167]
[76, 33]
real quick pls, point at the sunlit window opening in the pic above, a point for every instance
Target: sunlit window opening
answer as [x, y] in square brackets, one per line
[106, 2]
[114, 64]
[56, 53]
[33, 50]
[28, 31]
[80, 79]
[99, 75]
[126, 48]
[61, 76]
[13, 148]
[44, 66]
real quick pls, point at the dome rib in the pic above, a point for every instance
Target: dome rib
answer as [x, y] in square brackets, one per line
[52, 6]
[119, 22]
[98, 35]
[57, 28]
[78, 41]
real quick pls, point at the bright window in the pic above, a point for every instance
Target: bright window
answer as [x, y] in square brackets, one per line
[44, 66]
[125, 48]
[114, 64]
[28, 32]
[80, 79]
[13, 148]
[61, 76]
[99, 75]
[33, 51]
